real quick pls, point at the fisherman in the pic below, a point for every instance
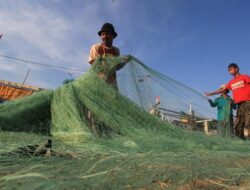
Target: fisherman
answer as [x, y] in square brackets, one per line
[99, 52]
[107, 34]
[104, 49]
[225, 106]
[240, 87]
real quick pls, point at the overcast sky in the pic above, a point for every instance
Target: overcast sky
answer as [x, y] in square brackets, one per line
[191, 41]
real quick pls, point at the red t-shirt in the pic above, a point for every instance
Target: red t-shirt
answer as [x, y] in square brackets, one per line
[240, 87]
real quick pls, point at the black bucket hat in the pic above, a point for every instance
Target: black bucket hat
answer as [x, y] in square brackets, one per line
[107, 27]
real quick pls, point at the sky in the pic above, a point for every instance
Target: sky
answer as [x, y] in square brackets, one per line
[191, 41]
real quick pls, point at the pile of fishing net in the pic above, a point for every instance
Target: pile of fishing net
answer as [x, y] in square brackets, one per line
[88, 134]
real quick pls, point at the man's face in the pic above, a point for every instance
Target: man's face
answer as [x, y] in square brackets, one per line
[233, 70]
[107, 38]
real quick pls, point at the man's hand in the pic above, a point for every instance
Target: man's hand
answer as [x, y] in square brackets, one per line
[124, 60]
[208, 94]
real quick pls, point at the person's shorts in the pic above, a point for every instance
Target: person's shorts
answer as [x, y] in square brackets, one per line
[243, 115]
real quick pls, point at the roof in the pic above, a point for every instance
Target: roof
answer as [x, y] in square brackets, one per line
[13, 90]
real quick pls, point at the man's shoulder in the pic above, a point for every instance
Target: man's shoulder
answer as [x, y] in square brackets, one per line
[117, 50]
[245, 75]
[218, 98]
[96, 46]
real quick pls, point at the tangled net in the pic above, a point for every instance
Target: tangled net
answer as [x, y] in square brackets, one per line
[102, 136]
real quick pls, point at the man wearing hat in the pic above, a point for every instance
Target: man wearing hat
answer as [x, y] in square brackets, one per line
[107, 34]
[240, 87]
[105, 48]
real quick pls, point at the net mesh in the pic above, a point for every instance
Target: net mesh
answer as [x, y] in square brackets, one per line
[90, 134]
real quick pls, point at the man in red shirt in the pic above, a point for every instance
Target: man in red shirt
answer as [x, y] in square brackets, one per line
[240, 87]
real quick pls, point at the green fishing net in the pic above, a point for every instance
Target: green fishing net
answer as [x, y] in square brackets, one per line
[126, 134]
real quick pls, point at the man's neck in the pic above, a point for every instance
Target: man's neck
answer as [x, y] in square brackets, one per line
[236, 75]
[107, 45]
[224, 95]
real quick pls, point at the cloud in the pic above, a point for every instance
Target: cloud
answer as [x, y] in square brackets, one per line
[36, 26]
[8, 67]
[44, 33]
[61, 33]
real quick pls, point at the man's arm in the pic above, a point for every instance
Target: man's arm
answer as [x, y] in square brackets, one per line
[216, 91]
[124, 60]
[212, 104]
[93, 53]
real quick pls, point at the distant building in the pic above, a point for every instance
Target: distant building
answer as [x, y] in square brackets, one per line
[13, 90]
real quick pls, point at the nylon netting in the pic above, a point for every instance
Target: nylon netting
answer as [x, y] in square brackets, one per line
[89, 134]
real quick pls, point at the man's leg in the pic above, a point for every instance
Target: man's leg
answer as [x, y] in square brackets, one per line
[239, 123]
[91, 120]
[220, 130]
[246, 110]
